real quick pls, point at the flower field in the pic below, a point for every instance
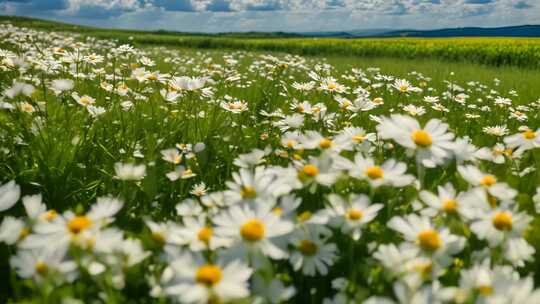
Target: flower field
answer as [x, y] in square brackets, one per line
[162, 175]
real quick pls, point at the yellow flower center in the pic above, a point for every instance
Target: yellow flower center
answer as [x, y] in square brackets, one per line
[529, 134]
[502, 220]
[159, 237]
[485, 290]
[248, 192]
[492, 200]
[378, 100]
[423, 268]
[86, 100]
[374, 172]
[449, 206]
[23, 233]
[354, 214]
[488, 180]
[78, 224]
[421, 138]
[151, 77]
[50, 215]
[403, 88]
[304, 216]
[277, 211]
[310, 170]
[208, 275]
[325, 143]
[429, 240]
[290, 143]
[26, 107]
[308, 247]
[204, 235]
[358, 138]
[252, 230]
[332, 86]
[41, 268]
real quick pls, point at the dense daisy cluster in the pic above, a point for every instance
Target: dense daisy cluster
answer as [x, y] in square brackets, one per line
[161, 175]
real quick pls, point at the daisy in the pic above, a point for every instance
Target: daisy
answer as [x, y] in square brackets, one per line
[439, 244]
[498, 224]
[85, 100]
[70, 228]
[496, 130]
[315, 140]
[312, 254]
[351, 138]
[353, 214]
[447, 201]
[172, 156]
[329, 84]
[489, 182]
[289, 122]
[192, 280]
[432, 144]
[291, 140]
[260, 183]
[129, 171]
[524, 141]
[199, 189]
[38, 264]
[390, 173]
[252, 159]
[197, 235]
[10, 193]
[187, 83]
[236, 106]
[317, 171]
[404, 86]
[19, 88]
[250, 231]
[60, 85]
[12, 230]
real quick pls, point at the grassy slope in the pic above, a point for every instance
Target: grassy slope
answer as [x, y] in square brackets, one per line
[523, 52]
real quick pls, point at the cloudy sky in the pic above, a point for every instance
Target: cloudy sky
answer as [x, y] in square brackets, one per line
[279, 15]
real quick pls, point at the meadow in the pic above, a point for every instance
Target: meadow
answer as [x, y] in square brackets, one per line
[134, 170]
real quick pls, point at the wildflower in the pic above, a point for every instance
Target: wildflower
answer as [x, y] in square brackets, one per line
[353, 214]
[390, 173]
[10, 193]
[252, 231]
[129, 171]
[312, 254]
[523, 141]
[85, 100]
[192, 280]
[432, 144]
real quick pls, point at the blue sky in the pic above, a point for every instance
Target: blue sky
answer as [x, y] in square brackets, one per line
[279, 15]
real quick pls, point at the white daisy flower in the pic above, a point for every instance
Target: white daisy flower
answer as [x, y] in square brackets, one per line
[10, 193]
[391, 173]
[432, 144]
[351, 215]
[192, 280]
[439, 244]
[312, 254]
[489, 182]
[252, 231]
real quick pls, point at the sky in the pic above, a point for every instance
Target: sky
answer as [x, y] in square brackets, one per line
[279, 15]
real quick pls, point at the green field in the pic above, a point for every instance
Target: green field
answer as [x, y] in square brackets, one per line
[367, 171]
[522, 52]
